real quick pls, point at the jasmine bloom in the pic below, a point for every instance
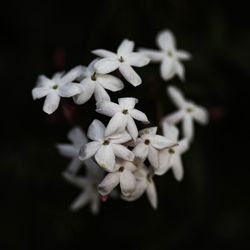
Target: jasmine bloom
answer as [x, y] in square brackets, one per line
[123, 115]
[105, 148]
[61, 85]
[95, 83]
[169, 57]
[123, 60]
[188, 111]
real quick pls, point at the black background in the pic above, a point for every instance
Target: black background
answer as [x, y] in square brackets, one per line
[209, 209]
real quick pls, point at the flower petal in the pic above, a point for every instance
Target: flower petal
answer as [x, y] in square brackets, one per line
[127, 182]
[95, 203]
[107, 108]
[165, 40]
[106, 65]
[81, 200]
[101, 94]
[51, 102]
[72, 75]
[180, 70]
[67, 150]
[153, 157]
[130, 75]
[152, 194]
[166, 68]
[131, 127]
[122, 152]
[200, 114]
[140, 151]
[105, 157]
[138, 115]
[77, 137]
[160, 142]
[110, 82]
[188, 127]
[137, 59]
[125, 47]
[88, 150]
[174, 117]
[74, 166]
[40, 92]
[183, 55]
[119, 138]
[109, 182]
[177, 168]
[183, 145]
[127, 102]
[170, 131]
[69, 89]
[116, 124]
[176, 96]
[87, 90]
[165, 160]
[96, 130]
[103, 53]
[154, 55]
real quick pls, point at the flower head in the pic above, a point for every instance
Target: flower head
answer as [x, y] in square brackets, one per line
[188, 111]
[105, 148]
[61, 85]
[95, 83]
[123, 115]
[122, 60]
[169, 57]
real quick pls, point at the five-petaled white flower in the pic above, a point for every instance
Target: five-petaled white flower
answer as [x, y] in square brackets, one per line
[148, 145]
[105, 148]
[168, 55]
[188, 111]
[61, 85]
[95, 83]
[123, 174]
[89, 185]
[144, 183]
[123, 115]
[171, 157]
[122, 60]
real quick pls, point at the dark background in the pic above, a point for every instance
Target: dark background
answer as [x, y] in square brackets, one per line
[209, 209]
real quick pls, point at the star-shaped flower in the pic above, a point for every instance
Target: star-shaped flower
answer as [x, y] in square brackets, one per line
[123, 115]
[89, 186]
[188, 111]
[123, 175]
[169, 57]
[95, 83]
[61, 85]
[105, 148]
[148, 145]
[122, 60]
[171, 157]
[144, 183]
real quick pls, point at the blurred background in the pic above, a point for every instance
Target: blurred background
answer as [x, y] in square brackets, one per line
[209, 209]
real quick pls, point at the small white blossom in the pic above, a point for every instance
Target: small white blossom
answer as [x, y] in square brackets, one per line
[188, 111]
[144, 183]
[61, 85]
[123, 174]
[123, 115]
[148, 145]
[168, 56]
[89, 186]
[105, 148]
[95, 83]
[171, 157]
[122, 60]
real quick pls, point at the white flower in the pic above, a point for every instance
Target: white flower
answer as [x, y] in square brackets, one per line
[122, 60]
[123, 115]
[144, 183]
[89, 186]
[148, 145]
[123, 174]
[168, 55]
[61, 85]
[78, 138]
[95, 83]
[188, 111]
[105, 148]
[171, 157]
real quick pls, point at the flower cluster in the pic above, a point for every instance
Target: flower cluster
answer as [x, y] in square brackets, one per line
[118, 155]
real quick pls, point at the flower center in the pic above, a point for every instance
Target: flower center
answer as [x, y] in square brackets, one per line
[121, 59]
[147, 141]
[106, 142]
[150, 177]
[93, 77]
[121, 169]
[170, 53]
[190, 110]
[171, 151]
[55, 86]
[125, 111]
